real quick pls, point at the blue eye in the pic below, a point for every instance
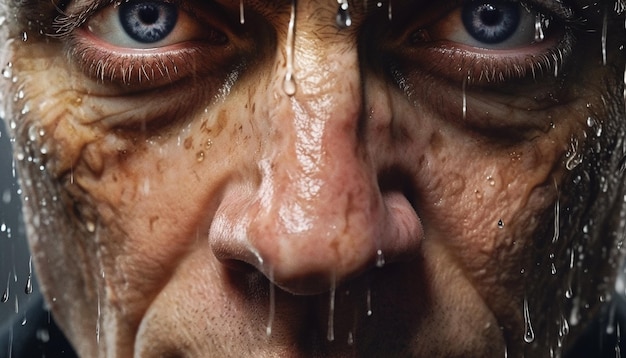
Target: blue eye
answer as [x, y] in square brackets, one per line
[148, 21]
[491, 22]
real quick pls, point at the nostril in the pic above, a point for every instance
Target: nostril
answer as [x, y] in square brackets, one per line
[239, 266]
[396, 179]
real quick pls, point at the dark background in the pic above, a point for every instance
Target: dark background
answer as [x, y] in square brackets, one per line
[14, 256]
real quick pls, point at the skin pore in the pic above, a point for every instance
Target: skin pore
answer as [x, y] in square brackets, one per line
[419, 193]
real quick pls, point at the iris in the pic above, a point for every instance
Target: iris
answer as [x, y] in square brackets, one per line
[148, 21]
[491, 22]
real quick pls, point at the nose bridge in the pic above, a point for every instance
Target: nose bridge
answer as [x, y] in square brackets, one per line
[317, 194]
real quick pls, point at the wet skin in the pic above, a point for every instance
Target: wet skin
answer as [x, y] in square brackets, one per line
[181, 203]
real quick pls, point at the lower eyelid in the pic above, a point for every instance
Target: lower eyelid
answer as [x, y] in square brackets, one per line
[137, 68]
[488, 67]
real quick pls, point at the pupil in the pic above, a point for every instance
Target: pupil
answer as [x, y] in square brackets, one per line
[149, 15]
[490, 16]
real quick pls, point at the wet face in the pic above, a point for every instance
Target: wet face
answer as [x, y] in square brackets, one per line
[273, 179]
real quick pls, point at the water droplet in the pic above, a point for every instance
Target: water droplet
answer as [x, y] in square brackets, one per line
[368, 302]
[7, 71]
[5, 294]
[573, 157]
[491, 180]
[529, 334]
[43, 335]
[553, 268]
[272, 303]
[569, 293]
[604, 30]
[464, 109]
[564, 328]
[24, 36]
[343, 17]
[200, 156]
[350, 338]
[331, 312]
[556, 234]
[29, 286]
[500, 224]
[25, 109]
[380, 259]
[289, 83]
[90, 226]
[389, 10]
[242, 15]
[540, 22]
[24, 321]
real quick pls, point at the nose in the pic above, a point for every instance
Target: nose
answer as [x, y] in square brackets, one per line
[319, 216]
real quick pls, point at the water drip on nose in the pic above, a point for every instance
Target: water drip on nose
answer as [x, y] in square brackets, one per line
[289, 83]
[380, 259]
[343, 17]
[272, 305]
[330, 335]
[242, 15]
[529, 334]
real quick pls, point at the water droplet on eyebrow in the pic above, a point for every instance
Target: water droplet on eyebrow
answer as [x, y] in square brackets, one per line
[343, 17]
[289, 83]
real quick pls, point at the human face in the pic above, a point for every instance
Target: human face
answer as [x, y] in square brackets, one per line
[261, 179]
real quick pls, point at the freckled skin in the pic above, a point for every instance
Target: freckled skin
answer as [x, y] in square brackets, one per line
[171, 212]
